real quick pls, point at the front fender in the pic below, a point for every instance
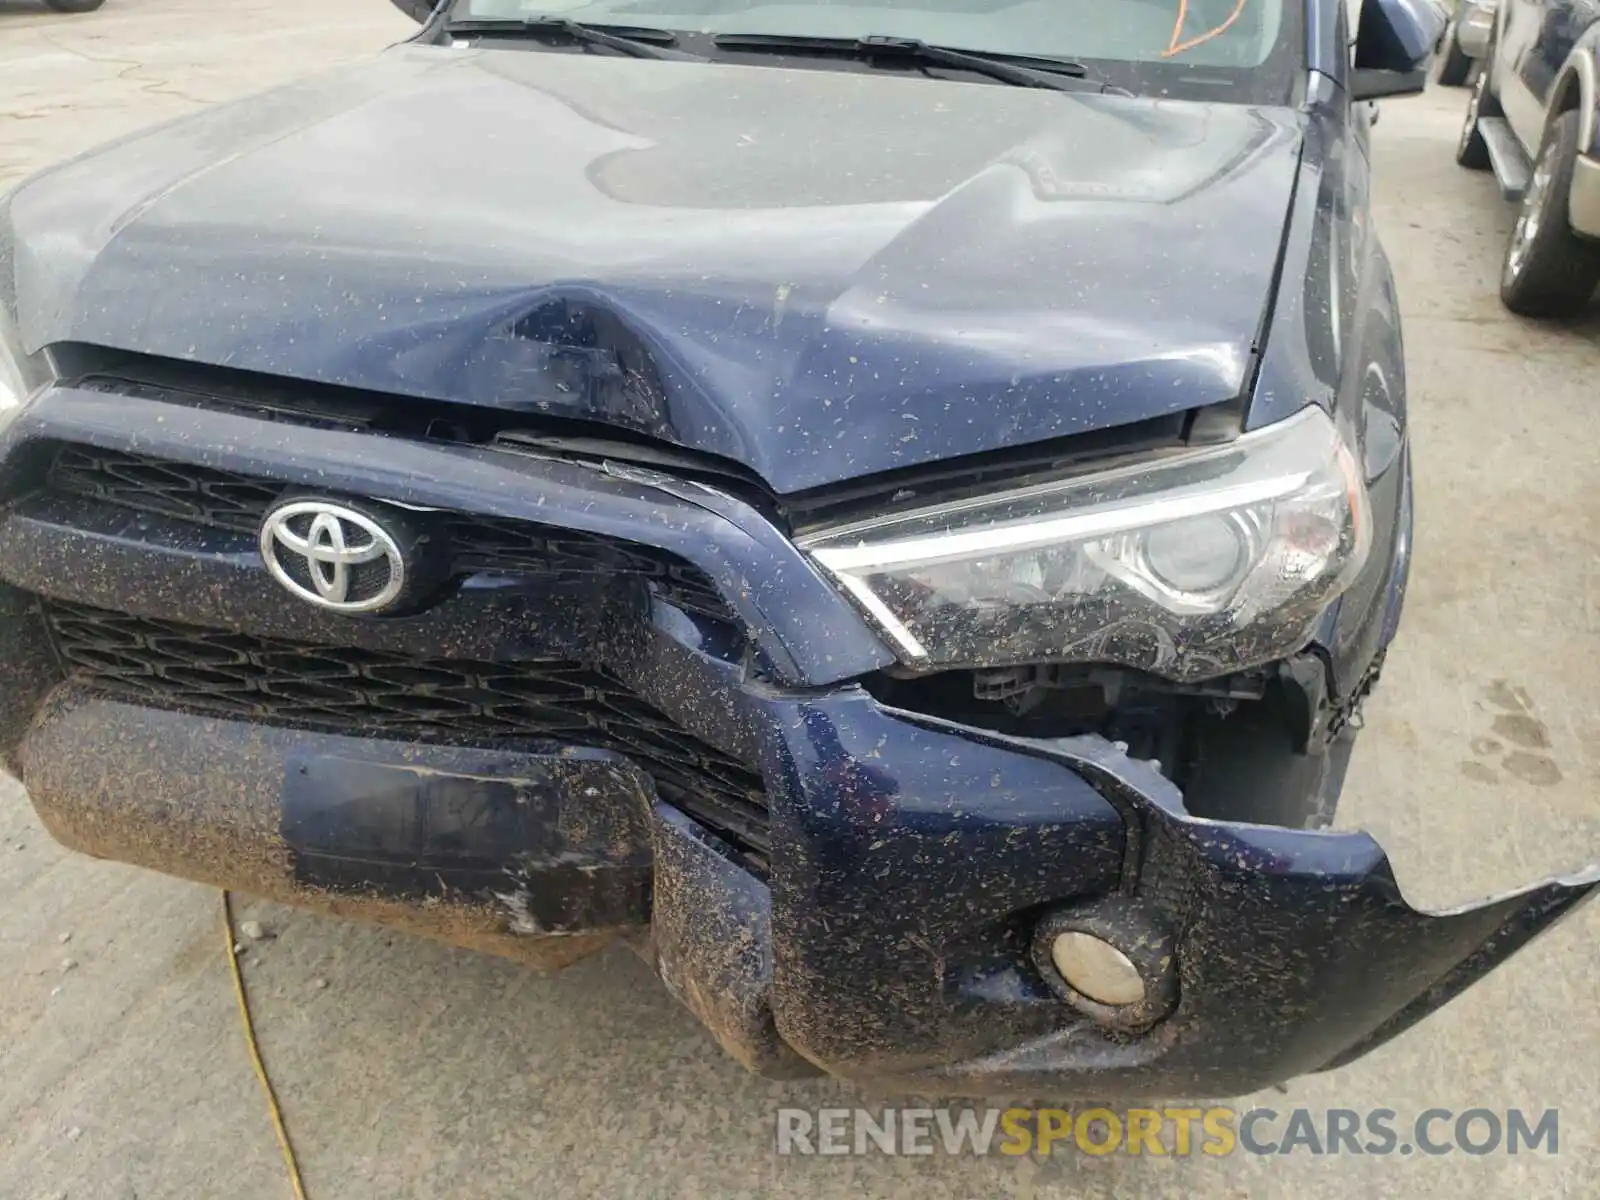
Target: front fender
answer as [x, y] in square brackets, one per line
[1334, 339]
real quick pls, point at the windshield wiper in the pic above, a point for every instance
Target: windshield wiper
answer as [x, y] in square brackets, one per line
[636, 40]
[1058, 74]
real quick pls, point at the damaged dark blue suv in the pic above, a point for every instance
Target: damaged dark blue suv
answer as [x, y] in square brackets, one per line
[889, 508]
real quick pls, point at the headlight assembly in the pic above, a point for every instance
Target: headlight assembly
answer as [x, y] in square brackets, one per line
[13, 388]
[10, 383]
[1187, 565]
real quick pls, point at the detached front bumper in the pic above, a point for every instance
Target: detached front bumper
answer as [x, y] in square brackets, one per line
[892, 937]
[892, 918]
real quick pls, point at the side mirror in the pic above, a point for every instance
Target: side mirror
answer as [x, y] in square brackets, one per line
[1394, 41]
[417, 10]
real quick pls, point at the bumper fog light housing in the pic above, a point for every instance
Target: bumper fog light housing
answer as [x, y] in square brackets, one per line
[1111, 961]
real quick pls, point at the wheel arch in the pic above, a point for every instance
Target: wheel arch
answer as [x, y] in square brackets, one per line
[1577, 88]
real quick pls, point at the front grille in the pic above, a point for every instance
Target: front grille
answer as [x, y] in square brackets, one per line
[239, 503]
[526, 704]
[189, 493]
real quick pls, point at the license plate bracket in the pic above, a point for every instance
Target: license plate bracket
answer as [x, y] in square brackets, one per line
[567, 836]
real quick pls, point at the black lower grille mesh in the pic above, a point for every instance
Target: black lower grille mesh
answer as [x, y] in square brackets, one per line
[374, 694]
[239, 503]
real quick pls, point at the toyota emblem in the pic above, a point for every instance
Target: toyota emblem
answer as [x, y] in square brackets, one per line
[333, 556]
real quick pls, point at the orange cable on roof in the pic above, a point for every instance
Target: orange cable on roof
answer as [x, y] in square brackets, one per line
[1176, 47]
[1177, 28]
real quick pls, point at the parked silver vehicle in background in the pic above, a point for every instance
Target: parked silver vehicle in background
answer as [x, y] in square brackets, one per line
[1465, 41]
[1534, 119]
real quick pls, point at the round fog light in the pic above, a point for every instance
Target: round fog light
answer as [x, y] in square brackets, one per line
[1113, 959]
[1096, 968]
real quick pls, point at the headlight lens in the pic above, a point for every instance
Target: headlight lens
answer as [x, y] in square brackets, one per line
[1188, 565]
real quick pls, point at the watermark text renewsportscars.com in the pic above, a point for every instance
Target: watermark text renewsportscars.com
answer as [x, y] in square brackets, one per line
[1176, 1131]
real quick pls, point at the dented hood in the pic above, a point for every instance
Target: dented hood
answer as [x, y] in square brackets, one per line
[817, 274]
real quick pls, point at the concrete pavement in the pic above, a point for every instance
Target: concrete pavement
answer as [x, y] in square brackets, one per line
[409, 1069]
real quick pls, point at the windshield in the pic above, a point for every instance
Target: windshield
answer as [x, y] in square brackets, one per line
[1248, 50]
